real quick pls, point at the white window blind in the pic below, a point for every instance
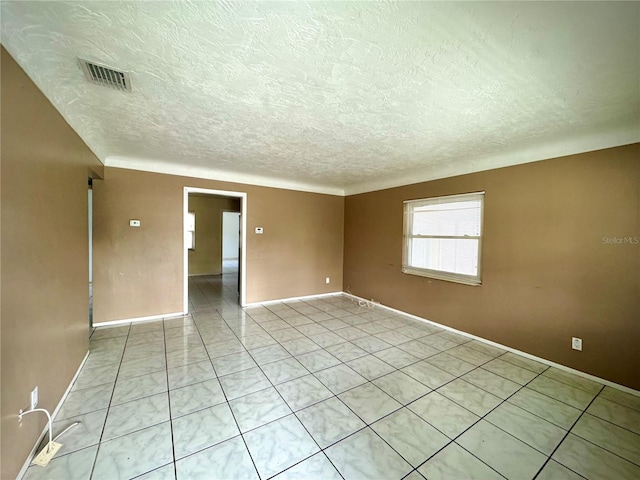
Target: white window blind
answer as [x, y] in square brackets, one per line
[443, 237]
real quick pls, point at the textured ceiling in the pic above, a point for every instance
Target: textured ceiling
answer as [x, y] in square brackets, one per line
[336, 96]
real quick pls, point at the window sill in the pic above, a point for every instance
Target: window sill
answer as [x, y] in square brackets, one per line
[447, 277]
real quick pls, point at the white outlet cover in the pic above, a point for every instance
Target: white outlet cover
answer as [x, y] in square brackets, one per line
[576, 343]
[47, 453]
[259, 230]
[34, 398]
[134, 223]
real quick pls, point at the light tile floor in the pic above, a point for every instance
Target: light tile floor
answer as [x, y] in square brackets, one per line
[327, 389]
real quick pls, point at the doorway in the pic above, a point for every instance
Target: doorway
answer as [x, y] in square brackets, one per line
[200, 226]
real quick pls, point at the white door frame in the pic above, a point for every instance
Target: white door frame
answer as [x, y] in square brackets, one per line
[243, 240]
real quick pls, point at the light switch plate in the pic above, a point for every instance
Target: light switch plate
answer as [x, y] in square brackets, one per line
[134, 223]
[259, 230]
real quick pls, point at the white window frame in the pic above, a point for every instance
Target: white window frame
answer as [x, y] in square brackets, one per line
[409, 206]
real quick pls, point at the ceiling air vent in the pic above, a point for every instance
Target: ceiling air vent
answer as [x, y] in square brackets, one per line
[107, 76]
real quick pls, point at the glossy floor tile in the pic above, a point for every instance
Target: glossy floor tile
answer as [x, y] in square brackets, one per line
[279, 445]
[369, 402]
[327, 389]
[366, 455]
[229, 459]
[444, 414]
[317, 467]
[330, 421]
[410, 436]
[202, 429]
[258, 408]
[77, 465]
[504, 453]
[454, 462]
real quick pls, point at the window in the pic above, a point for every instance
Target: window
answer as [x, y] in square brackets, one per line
[443, 237]
[191, 231]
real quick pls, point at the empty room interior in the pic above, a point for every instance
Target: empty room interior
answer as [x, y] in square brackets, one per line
[320, 240]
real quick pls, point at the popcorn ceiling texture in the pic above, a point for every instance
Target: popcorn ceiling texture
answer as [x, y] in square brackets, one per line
[336, 96]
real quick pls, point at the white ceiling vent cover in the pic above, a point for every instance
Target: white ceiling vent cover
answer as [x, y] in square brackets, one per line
[107, 76]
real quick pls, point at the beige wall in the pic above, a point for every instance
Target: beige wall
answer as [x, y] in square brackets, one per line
[547, 275]
[139, 271]
[207, 256]
[45, 325]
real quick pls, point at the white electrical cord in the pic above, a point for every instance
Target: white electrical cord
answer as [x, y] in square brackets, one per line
[362, 302]
[75, 424]
[66, 430]
[21, 413]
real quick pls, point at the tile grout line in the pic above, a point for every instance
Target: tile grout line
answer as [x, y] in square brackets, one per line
[166, 370]
[461, 433]
[306, 368]
[368, 381]
[605, 448]
[115, 381]
[566, 435]
[168, 403]
[481, 417]
[272, 386]
[540, 374]
[287, 404]
[369, 425]
[337, 397]
[140, 398]
[228, 405]
[614, 424]
[585, 412]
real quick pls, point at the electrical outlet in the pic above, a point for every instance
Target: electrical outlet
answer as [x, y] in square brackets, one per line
[576, 343]
[47, 453]
[34, 398]
[327, 280]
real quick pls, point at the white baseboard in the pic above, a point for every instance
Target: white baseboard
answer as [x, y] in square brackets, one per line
[504, 347]
[149, 318]
[33, 452]
[291, 299]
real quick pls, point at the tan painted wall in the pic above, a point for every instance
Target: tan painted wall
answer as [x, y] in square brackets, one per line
[547, 275]
[139, 271]
[45, 326]
[207, 256]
